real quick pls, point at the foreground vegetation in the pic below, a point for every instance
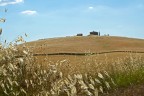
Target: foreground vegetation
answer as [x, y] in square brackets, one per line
[23, 76]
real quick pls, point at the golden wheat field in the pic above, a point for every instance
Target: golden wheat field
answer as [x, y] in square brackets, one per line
[84, 44]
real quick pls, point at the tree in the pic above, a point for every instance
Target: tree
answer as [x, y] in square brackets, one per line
[0, 31]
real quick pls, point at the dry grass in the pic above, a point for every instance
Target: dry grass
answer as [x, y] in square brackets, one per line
[22, 77]
[77, 76]
[84, 64]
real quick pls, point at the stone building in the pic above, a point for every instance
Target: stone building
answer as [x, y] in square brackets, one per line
[95, 33]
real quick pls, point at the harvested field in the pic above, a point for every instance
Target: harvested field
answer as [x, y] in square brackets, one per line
[76, 47]
[76, 60]
[79, 54]
[85, 44]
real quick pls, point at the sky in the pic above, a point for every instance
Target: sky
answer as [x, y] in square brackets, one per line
[41, 19]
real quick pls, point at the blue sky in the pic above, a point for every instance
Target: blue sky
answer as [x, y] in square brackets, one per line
[60, 18]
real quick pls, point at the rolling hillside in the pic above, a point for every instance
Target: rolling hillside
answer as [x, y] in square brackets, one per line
[85, 44]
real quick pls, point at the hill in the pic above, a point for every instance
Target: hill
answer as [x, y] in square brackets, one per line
[85, 44]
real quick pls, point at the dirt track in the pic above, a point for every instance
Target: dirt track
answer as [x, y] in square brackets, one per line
[83, 54]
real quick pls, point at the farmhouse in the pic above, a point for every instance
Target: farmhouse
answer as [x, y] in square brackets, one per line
[95, 33]
[80, 34]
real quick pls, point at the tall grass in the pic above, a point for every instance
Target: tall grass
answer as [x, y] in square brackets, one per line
[128, 71]
[24, 77]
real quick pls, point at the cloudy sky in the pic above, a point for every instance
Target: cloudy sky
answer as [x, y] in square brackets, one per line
[59, 18]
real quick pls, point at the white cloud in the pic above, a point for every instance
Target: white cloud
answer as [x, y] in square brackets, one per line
[99, 8]
[29, 12]
[10, 2]
[91, 7]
